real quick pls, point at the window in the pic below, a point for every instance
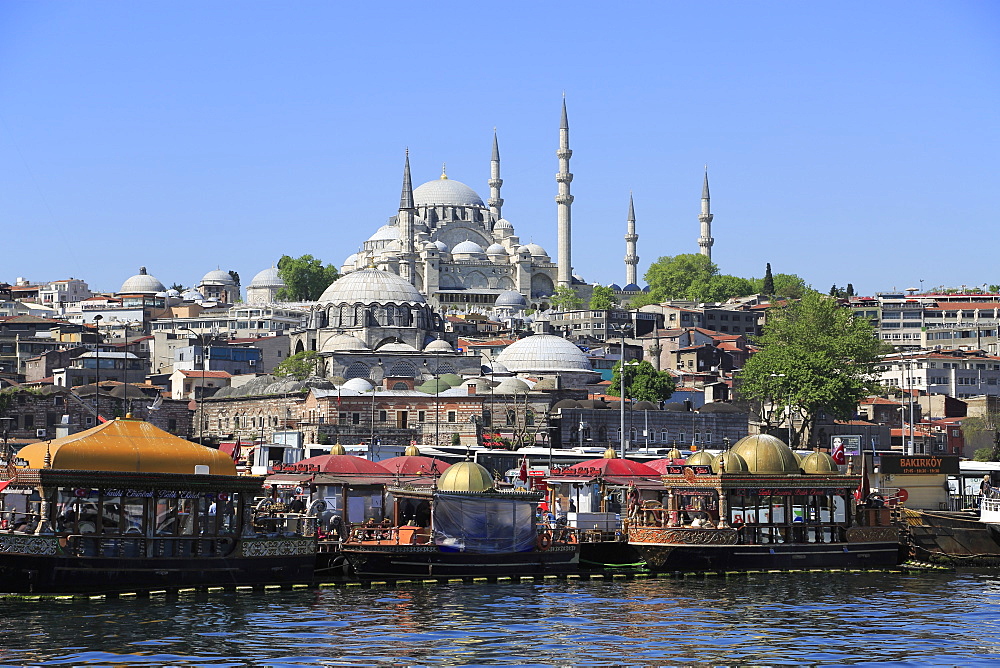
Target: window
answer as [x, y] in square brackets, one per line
[29, 421]
[664, 436]
[452, 416]
[355, 418]
[511, 417]
[529, 417]
[382, 416]
[421, 416]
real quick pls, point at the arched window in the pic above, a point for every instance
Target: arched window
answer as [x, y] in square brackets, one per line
[356, 370]
[511, 417]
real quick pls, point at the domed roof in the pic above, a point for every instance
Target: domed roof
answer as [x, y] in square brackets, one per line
[217, 277]
[481, 384]
[396, 347]
[345, 464]
[267, 279]
[631, 287]
[338, 449]
[511, 386]
[544, 352]
[439, 345]
[453, 379]
[503, 224]
[733, 463]
[546, 384]
[350, 260]
[385, 233]
[499, 367]
[441, 246]
[496, 249]
[718, 407]
[465, 477]
[536, 250]
[411, 451]
[766, 454]
[510, 299]
[358, 385]
[565, 403]
[192, 295]
[674, 407]
[368, 286]
[142, 283]
[467, 247]
[610, 453]
[674, 454]
[434, 386]
[413, 463]
[343, 342]
[615, 287]
[700, 458]
[447, 192]
[645, 406]
[819, 462]
[127, 445]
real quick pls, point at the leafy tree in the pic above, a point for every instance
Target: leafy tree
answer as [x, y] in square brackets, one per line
[982, 455]
[305, 278]
[602, 298]
[834, 291]
[178, 287]
[565, 299]
[299, 366]
[721, 287]
[850, 290]
[814, 357]
[982, 428]
[679, 277]
[791, 286]
[768, 286]
[642, 382]
[235, 275]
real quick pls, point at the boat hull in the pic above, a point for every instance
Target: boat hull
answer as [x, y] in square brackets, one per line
[430, 561]
[40, 564]
[703, 551]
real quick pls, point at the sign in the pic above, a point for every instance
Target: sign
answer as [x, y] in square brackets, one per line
[698, 469]
[791, 491]
[919, 464]
[850, 442]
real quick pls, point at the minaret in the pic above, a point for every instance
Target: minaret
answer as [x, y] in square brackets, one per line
[705, 241]
[495, 202]
[407, 212]
[631, 259]
[563, 201]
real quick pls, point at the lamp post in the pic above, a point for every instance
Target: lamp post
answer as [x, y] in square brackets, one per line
[6, 431]
[623, 331]
[199, 396]
[371, 443]
[97, 364]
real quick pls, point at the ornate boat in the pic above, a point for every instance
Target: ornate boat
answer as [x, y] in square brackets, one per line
[757, 507]
[461, 527]
[125, 506]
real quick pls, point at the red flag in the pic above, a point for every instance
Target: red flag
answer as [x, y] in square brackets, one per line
[838, 451]
[523, 474]
[11, 474]
[864, 487]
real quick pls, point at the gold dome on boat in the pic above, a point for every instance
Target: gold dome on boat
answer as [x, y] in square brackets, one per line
[766, 454]
[675, 454]
[819, 462]
[730, 462]
[411, 451]
[610, 453]
[338, 449]
[700, 458]
[465, 477]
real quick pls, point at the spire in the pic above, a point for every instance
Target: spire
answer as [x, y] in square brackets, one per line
[704, 188]
[705, 241]
[564, 123]
[406, 197]
[564, 201]
[496, 147]
[631, 256]
[495, 202]
[444, 171]
[631, 208]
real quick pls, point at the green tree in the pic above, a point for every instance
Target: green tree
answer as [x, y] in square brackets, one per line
[768, 286]
[235, 275]
[299, 366]
[565, 299]
[602, 298]
[679, 277]
[721, 287]
[850, 289]
[791, 286]
[983, 430]
[305, 278]
[642, 382]
[814, 357]
[178, 287]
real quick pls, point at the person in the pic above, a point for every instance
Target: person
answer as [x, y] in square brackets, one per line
[572, 506]
[985, 488]
[297, 505]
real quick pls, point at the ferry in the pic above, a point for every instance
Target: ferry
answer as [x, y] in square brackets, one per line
[125, 507]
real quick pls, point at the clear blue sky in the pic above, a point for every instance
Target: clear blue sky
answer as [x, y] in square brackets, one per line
[846, 142]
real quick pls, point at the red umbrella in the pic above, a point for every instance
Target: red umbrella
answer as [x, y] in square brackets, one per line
[414, 465]
[343, 464]
[610, 467]
[660, 465]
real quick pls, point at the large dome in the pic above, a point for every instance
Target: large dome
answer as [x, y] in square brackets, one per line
[142, 283]
[369, 286]
[544, 352]
[267, 279]
[385, 233]
[343, 342]
[511, 299]
[766, 454]
[465, 477]
[217, 277]
[445, 191]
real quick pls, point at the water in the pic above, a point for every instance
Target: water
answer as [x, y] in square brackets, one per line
[781, 619]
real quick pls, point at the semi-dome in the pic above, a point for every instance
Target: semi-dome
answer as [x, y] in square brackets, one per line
[396, 347]
[142, 283]
[511, 386]
[342, 343]
[439, 346]
[700, 458]
[819, 462]
[544, 352]
[217, 277]
[267, 278]
[358, 385]
[350, 261]
[536, 250]
[446, 192]
[192, 295]
[465, 477]
[369, 286]
[503, 224]
[496, 249]
[468, 250]
[766, 454]
[511, 299]
[385, 233]
[730, 462]
[128, 446]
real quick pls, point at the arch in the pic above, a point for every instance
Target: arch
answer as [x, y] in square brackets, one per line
[357, 370]
[505, 283]
[602, 433]
[403, 370]
[299, 347]
[476, 279]
[541, 285]
[400, 385]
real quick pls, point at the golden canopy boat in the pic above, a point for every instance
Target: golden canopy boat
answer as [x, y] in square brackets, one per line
[758, 506]
[126, 506]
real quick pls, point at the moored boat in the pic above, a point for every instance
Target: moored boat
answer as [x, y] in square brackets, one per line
[758, 507]
[125, 506]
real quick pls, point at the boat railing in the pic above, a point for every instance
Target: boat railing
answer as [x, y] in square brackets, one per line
[747, 533]
[386, 534]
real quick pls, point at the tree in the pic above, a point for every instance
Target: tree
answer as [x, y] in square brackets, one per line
[235, 275]
[602, 298]
[566, 299]
[768, 287]
[178, 287]
[984, 429]
[850, 289]
[834, 291]
[299, 366]
[815, 356]
[791, 286]
[642, 382]
[305, 278]
[995, 288]
[721, 287]
[679, 277]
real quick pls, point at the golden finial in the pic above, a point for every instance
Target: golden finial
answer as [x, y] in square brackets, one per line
[444, 171]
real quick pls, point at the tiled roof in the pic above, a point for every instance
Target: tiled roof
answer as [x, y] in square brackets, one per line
[206, 374]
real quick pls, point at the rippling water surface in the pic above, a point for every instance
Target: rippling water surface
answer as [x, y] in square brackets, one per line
[781, 619]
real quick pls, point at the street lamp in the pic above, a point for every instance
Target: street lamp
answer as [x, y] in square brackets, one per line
[371, 443]
[199, 396]
[6, 431]
[624, 330]
[97, 364]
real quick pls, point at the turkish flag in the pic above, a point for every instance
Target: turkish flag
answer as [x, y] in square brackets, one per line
[523, 474]
[838, 451]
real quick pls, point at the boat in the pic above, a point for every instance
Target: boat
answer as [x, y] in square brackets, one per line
[462, 526]
[125, 507]
[758, 507]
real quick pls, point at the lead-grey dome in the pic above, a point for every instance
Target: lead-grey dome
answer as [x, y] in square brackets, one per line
[217, 277]
[385, 233]
[142, 283]
[447, 192]
[370, 286]
[544, 352]
[511, 299]
[468, 250]
[267, 279]
[343, 342]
